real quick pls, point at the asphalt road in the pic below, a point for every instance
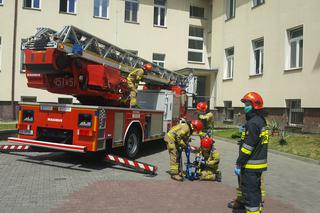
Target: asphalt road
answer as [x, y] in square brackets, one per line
[66, 182]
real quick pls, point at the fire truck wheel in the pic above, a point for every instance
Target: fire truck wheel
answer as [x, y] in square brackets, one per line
[132, 143]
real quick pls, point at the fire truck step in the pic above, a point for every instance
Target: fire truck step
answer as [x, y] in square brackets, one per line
[15, 148]
[146, 168]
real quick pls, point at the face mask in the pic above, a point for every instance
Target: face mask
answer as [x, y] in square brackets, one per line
[247, 108]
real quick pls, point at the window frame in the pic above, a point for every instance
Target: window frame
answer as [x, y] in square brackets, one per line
[227, 68]
[158, 61]
[100, 12]
[255, 48]
[230, 12]
[293, 111]
[131, 11]
[192, 16]
[2, 2]
[299, 49]
[68, 7]
[196, 38]
[32, 5]
[256, 3]
[160, 7]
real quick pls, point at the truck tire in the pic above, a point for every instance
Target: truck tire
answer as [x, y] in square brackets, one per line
[132, 143]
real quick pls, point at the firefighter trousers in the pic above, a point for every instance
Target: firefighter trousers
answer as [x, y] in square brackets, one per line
[209, 174]
[174, 161]
[251, 191]
[263, 191]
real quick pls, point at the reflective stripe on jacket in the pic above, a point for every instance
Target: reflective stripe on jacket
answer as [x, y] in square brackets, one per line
[253, 150]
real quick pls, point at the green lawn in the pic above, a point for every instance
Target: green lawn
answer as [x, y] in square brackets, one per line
[306, 145]
[6, 126]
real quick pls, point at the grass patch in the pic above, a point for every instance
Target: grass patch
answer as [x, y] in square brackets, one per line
[7, 126]
[305, 145]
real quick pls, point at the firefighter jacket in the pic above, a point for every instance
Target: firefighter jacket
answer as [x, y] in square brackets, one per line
[179, 134]
[135, 76]
[212, 158]
[254, 148]
[207, 120]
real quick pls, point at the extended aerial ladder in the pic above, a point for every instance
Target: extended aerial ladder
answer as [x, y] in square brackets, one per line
[75, 62]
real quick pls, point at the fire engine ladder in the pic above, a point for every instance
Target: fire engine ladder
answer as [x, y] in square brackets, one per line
[102, 52]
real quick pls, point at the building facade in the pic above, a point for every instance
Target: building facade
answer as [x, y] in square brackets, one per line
[232, 46]
[173, 33]
[271, 47]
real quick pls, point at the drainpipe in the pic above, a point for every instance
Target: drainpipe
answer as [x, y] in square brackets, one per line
[14, 59]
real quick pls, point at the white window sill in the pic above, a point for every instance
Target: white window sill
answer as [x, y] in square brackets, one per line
[255, 75]
[293, 69]
[229, 19]
[67, 13]
[101, 17]
[227, 79]
[196, 62]
[131, 22]
[159, 26]
[258, 5]
[30, 8]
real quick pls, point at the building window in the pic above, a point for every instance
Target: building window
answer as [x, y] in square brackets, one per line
[0, 53]
[131, 10]
[158, 59]
[257, 46]
[1, 2]
[195, 47]
[196, 12]
[229, 111]
[257, 2]
[159, 14]
[229, 63]
[295, 112]
[230, 8]
[295, 55]
[68, 6]
[33, 4]
[101, 8]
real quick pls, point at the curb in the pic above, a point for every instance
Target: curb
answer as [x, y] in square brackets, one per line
[296, 157]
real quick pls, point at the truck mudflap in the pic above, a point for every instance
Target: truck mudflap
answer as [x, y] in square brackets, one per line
[50, 145]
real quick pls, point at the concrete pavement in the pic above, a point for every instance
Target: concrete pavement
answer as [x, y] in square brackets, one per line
[56, 182]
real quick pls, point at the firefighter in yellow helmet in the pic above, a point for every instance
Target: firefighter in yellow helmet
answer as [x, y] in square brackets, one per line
[206, 118]
[176, 140]
[133, 80]
[209, 159]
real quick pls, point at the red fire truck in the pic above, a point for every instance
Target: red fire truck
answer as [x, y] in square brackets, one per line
[76, 63]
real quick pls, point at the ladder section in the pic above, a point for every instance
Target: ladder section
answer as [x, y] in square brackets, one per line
[99, 51]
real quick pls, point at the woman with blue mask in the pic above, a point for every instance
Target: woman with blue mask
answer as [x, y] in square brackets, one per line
[252, 159]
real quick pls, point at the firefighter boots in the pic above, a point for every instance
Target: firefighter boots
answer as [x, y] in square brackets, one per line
[177, 177]
[235, 204]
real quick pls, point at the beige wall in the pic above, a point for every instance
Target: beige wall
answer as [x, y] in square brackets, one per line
[143, 37]
[6, 32]
[271, 21]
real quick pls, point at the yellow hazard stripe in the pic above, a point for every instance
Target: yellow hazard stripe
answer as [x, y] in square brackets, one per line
[246, 151]
[256, 166]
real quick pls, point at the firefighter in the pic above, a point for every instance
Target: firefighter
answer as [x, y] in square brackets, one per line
[238, 203]
[176, 140]
[210, 160]
[252, 159]
[134, 79]
[206, 118]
